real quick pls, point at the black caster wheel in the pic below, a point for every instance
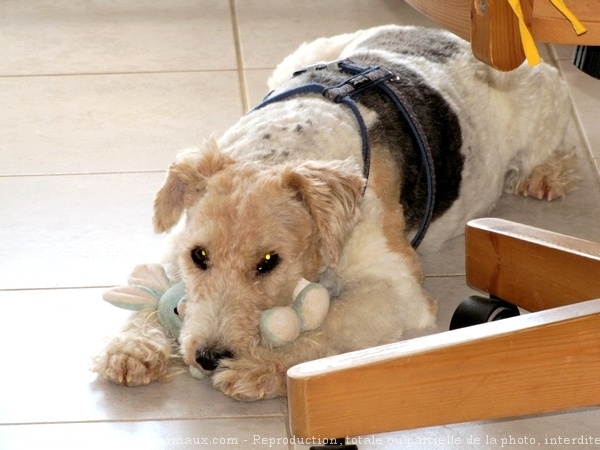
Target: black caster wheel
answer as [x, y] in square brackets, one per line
[475, 310]
[335, 444]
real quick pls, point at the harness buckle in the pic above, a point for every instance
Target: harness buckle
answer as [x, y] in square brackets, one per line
[359, 82]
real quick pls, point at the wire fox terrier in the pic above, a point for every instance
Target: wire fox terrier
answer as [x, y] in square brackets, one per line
[282, 195]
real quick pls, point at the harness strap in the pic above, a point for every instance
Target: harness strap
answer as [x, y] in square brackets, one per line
[362, 79]
[317, 88]
[409, 115]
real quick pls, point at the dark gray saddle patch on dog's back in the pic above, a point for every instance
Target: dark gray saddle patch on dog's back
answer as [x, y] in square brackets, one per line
[440, 122]
[422, 42]
[442, 129]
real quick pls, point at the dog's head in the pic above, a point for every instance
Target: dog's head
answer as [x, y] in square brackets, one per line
[251, 231]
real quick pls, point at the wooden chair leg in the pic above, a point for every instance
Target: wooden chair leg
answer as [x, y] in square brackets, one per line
[495, 36]
[544, 361]
[529, 267]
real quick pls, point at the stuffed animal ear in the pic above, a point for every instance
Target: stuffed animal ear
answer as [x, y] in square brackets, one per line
[186, 183]
[133, 298]
[332, 193]
[152, 276]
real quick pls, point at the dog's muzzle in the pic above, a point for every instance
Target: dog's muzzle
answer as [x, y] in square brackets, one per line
[209, 359]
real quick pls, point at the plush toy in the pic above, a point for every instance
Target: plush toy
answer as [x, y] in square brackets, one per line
[150, 287]
[281, 325]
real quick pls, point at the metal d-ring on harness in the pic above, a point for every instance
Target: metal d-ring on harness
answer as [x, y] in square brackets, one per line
[361, 80]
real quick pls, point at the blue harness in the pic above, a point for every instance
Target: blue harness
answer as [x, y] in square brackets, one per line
[362, 79]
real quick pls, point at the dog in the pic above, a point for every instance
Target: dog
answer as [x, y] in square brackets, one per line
[284, 195]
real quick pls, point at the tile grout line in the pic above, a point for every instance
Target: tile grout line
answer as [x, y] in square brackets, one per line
[141, 420]
[94, 74]
[78, 174]
[55, 288]
[238, 56]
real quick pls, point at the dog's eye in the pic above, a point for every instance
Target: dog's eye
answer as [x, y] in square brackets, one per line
[268, 263]
[200, 258]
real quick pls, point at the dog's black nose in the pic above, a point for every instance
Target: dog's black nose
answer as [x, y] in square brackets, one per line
[209, 358]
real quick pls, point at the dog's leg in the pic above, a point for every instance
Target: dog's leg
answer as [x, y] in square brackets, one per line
[142, 353]
[543, 167]
[549, 180]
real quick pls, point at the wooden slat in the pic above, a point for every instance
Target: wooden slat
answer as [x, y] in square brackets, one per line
[495, 35]
[525, 365]
[532, 268]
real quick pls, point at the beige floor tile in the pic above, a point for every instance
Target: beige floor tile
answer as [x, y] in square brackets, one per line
[62, 332]
[60, 37]
[545, 431]
[449, 291]
[563, 52]
[240, 433]
[574, 215]
[110, 123]
[169, 80]
[271, 29]
[75, 231]
[256, 85]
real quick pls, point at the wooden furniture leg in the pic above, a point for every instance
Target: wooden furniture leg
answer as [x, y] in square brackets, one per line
[544, 361]
[495, 36]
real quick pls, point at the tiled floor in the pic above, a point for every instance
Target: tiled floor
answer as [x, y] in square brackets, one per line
[95, 99]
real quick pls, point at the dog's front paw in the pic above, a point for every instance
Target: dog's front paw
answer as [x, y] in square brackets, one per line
[247, 381]
[133, 363]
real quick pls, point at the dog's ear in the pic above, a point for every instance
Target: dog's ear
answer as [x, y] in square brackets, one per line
[186, 182]
[332, 193]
